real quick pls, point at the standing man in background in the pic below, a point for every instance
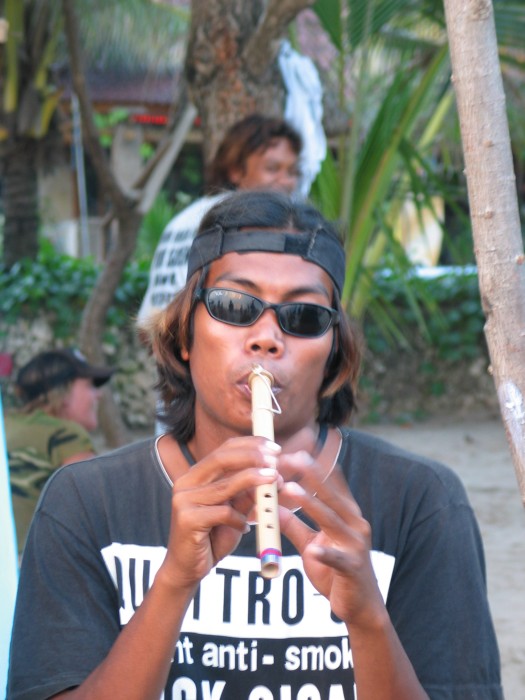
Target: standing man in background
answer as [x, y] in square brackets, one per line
[257, 152]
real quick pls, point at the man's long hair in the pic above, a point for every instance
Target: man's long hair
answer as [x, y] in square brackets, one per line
[250, 135]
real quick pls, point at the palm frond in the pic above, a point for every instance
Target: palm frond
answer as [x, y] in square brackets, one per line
[509, 18]
[113, 34]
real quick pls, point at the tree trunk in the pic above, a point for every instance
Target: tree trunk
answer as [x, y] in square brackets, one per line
[95, 312]
[493, 201]
[127, 209]
[231, 65]
[20, 196]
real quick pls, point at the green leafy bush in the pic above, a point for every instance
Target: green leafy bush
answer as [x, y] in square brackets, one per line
[61, 285]
[451, 319]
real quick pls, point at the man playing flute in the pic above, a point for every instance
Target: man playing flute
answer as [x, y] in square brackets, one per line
[140, 577]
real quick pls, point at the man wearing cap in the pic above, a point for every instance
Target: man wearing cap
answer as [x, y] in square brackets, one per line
[60, 393]
[141, 577]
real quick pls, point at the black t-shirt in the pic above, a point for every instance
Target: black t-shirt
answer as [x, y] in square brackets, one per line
[100, 535]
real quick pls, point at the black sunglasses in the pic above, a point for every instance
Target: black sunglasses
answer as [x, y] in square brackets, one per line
[241, 309]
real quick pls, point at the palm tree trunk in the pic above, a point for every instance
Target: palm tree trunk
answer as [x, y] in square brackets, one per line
[20, 195]
[231, 61]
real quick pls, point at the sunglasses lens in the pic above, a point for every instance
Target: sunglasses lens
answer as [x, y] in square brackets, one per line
[236, 308]
[307, 320]
[241, 309]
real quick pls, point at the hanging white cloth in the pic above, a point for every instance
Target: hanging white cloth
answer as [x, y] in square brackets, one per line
[304, 110]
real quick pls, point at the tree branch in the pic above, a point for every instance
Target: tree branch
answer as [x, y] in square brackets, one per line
[163, 166]
[98, 156]
[273, 23]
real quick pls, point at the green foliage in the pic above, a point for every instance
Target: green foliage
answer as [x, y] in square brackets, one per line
[106, 124]
[403, 144]
[28, 96]
[387, 157]
[62, 286]
[386, 17]
[452, 317]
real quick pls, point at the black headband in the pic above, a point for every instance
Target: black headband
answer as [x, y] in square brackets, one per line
[319, 247]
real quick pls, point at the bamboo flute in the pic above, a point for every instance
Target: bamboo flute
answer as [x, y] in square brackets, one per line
[268, 532]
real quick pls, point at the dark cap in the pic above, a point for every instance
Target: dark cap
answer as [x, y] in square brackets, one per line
[320, 247]
[54, 368]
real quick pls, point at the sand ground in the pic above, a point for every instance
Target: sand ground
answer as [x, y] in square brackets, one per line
[478, 451]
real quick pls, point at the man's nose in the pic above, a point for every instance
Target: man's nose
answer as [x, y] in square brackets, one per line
[265, 335]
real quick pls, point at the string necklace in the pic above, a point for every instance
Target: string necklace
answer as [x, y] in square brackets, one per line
[321, 439]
